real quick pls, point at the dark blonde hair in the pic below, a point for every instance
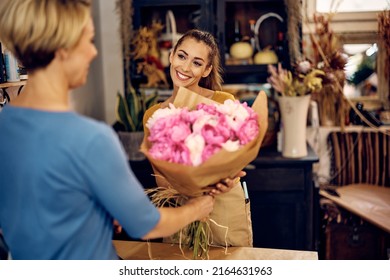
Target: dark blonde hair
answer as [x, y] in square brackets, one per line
[214, 79]
[33, 30]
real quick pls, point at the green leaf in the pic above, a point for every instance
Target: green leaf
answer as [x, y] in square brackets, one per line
[131, 108]
[121, 111]
[123, 114]
[151, 100]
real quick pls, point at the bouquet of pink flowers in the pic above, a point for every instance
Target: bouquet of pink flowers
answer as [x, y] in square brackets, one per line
[191, 137]
[196, 142]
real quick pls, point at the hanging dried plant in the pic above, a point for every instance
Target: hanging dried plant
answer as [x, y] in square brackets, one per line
[294, 17]
[125, 10]
[384, 33]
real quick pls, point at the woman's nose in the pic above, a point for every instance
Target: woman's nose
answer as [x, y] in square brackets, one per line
[186, 65]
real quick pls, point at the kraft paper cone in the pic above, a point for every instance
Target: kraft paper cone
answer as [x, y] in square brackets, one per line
[193, 180]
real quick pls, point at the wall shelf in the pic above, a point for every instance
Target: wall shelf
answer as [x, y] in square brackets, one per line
[13, 84]
[4, 96]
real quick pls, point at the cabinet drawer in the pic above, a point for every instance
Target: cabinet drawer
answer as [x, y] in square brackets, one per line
[275, 179]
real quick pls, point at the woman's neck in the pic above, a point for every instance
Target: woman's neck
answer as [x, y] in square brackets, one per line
[44, 91]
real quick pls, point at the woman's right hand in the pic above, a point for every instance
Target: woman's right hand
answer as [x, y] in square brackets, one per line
[172, 219]
[204, 205]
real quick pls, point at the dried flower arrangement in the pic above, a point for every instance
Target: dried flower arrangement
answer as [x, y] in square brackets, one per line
[303, 80]
[321, 73]
[328, 56]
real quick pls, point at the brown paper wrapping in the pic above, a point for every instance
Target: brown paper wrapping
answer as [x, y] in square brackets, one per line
[192, 180]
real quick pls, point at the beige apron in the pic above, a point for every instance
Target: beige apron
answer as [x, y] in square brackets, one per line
[232, 212]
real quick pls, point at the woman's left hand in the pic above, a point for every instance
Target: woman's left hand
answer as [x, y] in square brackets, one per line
[117, 227]
[226, 184]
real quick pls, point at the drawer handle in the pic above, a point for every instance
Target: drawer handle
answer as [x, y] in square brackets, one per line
[250, 167]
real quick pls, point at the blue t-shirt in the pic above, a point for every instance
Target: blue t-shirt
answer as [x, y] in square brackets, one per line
[63, 178]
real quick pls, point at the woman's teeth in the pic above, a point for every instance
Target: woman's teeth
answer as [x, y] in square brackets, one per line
[181, 76]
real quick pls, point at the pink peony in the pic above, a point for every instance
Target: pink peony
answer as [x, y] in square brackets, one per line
[191, 137]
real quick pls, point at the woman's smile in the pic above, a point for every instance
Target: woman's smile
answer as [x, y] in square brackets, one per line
[182, 76]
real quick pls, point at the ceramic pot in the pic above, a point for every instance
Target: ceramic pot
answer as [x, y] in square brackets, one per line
[131, 142]
[294, 111]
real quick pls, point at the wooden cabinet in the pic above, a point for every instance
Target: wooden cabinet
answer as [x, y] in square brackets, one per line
[188, 13]
[231, 12]
[219, 17]
[283, 201]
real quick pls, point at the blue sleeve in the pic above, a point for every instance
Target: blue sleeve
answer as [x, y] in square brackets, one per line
[116, 187]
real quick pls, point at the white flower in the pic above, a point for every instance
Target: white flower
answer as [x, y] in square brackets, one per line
[231, 146]
[162, 113]
[202, 121]
[195, 143]
[235, 113]
[304, 67]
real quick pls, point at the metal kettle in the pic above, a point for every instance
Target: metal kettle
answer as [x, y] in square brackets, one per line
[265, 56]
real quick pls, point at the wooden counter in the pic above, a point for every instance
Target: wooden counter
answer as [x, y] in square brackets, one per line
[370, 202]
[134, 250]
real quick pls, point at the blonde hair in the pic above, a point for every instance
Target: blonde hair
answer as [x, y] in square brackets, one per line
[214, 79]
[33, 30]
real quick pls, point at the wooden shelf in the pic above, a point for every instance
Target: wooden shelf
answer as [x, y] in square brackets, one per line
[12, 84]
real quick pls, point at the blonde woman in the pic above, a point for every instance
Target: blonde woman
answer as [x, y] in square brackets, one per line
[65, 177]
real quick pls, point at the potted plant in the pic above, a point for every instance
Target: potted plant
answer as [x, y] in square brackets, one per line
[130, 109]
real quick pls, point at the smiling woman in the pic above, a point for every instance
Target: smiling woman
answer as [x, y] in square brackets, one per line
[195, 65]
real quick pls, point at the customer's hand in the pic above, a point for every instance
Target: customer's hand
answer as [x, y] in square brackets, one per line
[226, 184]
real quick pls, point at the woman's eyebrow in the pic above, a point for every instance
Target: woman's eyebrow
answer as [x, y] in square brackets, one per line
[199, 58]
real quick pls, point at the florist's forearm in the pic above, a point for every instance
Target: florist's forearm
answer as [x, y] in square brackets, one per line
[172, 220]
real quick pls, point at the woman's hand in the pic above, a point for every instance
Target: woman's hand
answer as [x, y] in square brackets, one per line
[172, 219]
[117, 227]
[204, 204]
[226, 184]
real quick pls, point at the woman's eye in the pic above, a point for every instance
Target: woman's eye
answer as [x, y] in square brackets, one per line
[197, 63]
[181, 56]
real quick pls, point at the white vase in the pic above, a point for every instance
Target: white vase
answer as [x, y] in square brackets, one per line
[294, 116]
[131, 142]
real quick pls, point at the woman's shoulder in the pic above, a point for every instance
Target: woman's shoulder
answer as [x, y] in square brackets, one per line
[149, 112]
[221, 96]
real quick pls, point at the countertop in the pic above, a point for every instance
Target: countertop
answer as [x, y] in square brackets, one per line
[135, 250]
[370, 202]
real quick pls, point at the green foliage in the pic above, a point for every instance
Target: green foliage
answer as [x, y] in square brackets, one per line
[365, 69]
[131, 107]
